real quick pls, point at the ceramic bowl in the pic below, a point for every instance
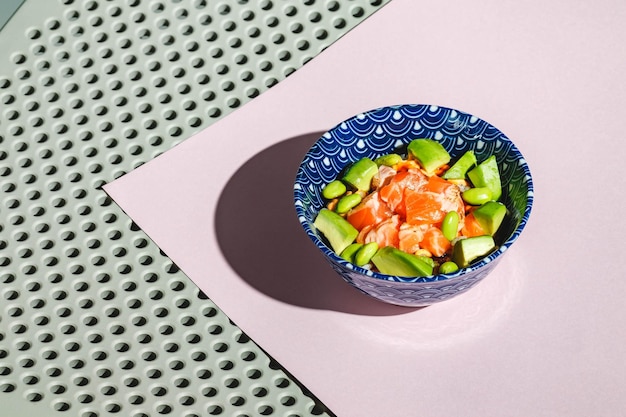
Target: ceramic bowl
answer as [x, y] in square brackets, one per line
[383, 130]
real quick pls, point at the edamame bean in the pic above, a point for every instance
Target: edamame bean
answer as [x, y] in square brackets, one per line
[364, 254]
[476, 196]
[448, 267]
[388, 160]
[349, 252]
[450, 225]
[334, 189]
[347, 202]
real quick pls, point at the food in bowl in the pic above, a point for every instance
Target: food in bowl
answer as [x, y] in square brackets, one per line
[414, 212]
[388, 130]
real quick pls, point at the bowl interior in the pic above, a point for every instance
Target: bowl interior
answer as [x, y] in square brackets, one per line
[390, 129]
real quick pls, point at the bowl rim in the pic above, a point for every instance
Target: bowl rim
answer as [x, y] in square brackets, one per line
[462, 272]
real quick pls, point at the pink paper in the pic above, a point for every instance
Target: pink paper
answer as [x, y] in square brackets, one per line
[543, 335]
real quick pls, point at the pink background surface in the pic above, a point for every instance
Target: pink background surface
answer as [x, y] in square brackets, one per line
[544, 334]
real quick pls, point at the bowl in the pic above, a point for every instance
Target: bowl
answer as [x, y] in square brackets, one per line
[383, 130]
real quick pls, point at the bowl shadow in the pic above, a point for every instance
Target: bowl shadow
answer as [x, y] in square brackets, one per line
[260, 236]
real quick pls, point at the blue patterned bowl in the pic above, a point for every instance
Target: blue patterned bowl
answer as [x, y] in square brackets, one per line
[384, 130]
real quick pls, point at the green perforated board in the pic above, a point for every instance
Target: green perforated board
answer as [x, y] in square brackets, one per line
[94, 319]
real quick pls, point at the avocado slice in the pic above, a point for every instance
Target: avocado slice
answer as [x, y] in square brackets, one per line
[486, 174]
[359, 175]
[430, 154]
[490, 216]
[469, 249]
[429, 261]
[459, 169]
[392, 261]
[337, 230]
[389, 159]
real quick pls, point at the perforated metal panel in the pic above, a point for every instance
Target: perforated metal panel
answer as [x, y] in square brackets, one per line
[94, 319]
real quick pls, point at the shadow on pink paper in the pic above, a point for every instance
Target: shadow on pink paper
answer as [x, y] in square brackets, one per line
[260, 236]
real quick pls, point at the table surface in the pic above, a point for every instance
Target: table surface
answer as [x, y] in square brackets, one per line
[7, 10]
[543, 335]
[95, 320]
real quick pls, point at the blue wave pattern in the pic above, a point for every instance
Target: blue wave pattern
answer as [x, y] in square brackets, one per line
[411, 294]
[390, 129]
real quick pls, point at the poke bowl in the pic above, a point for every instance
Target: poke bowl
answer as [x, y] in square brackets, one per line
[375, 135]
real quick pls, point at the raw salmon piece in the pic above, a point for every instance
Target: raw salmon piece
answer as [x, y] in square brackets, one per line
[410, 236]
[454, 202]
[471, 227]
[385, 233]
[423, 207]
[435, 242]
[437, 185]
[439, 196]
[363, 233]
[385, 174]
[393, 192]
[370, 211]
[450, 193]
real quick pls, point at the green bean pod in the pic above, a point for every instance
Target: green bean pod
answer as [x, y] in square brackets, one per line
[333, 189]
[364, 255]
[476, 196]
[347, 202]
[450, 225]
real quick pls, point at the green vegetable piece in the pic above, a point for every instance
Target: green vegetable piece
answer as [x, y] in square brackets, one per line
[333, 189]
[388, 160]
[349, 252]
[430, 154]
[392, 261]
[486, 174]
[459, 169]
[467, 250]
[450, 225]
[359, 175]
[476, 196]
[364, 255]
[347, 202]
[337, 230]
[490, 216]
[430, 261]
[448, 267]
